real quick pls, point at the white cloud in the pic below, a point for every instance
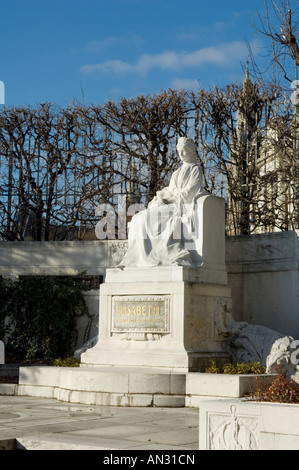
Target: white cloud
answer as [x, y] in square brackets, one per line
[96, 46]
[205, 31]
[224, 54]
[115, 67]
[185, 84]
[165, 61]
[221, 55]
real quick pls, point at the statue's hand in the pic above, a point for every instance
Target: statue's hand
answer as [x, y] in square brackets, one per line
[166, 201]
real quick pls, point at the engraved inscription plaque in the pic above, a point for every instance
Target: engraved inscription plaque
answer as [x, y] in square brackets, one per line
[140, 313]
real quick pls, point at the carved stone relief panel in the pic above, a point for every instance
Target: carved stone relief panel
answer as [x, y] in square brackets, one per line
[233, 431]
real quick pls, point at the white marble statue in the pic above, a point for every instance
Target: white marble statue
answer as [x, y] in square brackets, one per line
[256, 343]
[157, 236]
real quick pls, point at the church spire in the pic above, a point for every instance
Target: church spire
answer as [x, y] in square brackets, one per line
[247, 84]
[247, 78]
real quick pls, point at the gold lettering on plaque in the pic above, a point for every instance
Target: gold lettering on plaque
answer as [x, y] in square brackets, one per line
[143, 313]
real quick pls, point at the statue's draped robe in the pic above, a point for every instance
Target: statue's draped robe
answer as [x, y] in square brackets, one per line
[156, 235]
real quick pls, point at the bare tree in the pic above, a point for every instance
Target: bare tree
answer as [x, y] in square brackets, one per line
[46, 172]
[57, 165]
[146, 127]
[280, 24]
[245, 142]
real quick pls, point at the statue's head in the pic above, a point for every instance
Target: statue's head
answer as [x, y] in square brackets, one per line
[187, 150]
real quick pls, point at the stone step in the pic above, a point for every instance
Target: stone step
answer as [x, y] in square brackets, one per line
[132, 387]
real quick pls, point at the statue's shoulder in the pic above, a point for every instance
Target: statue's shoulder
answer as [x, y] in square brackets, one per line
[195, 168]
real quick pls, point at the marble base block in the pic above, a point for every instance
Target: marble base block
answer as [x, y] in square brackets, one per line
[158, 323]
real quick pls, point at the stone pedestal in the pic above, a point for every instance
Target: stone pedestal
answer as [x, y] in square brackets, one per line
[164, 317]
[158, 323]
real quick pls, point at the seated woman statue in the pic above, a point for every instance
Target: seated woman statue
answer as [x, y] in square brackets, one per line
[158, 235]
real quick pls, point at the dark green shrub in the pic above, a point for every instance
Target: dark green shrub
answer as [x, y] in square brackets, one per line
[66, 362]
[42, 312]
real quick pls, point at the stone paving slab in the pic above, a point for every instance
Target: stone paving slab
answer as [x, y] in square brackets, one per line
[47, 424]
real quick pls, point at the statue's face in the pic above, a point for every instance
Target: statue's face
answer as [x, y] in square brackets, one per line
[185, 153]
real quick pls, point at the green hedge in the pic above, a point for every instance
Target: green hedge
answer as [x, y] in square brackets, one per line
[38, 315]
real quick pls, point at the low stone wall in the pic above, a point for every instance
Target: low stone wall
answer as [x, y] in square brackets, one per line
[202, 386]
[263, 273]
[59, 258]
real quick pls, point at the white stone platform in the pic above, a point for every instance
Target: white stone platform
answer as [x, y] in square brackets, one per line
[104, 386]
[130, 387]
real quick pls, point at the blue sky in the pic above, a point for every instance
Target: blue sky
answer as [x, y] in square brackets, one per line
[63, 50]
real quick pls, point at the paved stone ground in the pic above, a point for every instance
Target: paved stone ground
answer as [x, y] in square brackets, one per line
[46, 424]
